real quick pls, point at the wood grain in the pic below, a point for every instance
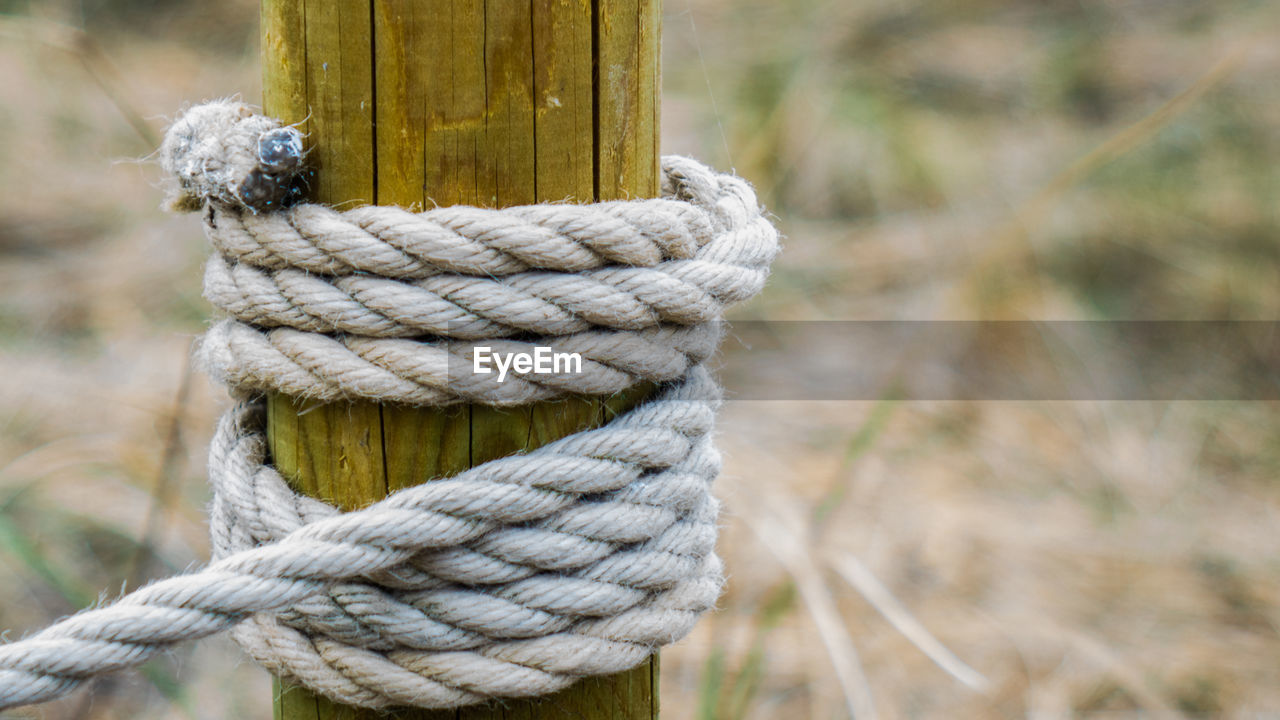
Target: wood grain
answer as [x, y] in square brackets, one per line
[440, 102]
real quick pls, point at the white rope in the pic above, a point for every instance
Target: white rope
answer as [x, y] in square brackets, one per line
[514, 578]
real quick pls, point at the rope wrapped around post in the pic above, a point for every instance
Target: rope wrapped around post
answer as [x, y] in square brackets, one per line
[514, 578]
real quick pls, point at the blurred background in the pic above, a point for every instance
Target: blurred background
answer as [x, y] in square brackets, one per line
[1049, 159]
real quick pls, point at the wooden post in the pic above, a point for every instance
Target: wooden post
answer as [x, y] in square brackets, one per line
[483, 102]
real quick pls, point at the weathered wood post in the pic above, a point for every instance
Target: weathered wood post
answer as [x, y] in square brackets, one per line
[483, 102]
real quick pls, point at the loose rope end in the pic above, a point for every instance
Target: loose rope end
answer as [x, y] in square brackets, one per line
[226, 152]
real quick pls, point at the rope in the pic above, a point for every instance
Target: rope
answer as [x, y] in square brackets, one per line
[514, 578]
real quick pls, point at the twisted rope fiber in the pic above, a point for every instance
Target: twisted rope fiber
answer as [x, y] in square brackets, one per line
[514, 578]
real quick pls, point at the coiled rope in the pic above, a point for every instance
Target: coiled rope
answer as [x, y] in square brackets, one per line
[514, 578]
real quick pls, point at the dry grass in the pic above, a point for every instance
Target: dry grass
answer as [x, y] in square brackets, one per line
[1085, 159]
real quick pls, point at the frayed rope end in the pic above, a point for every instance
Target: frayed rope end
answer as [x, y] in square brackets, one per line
[225, 152]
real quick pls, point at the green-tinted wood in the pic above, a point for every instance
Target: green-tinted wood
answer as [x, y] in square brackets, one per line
[563, 88]
[445, 102]
[507, 160]
[339, 76]
[627, 53]
[284, 59]
[401, 103]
